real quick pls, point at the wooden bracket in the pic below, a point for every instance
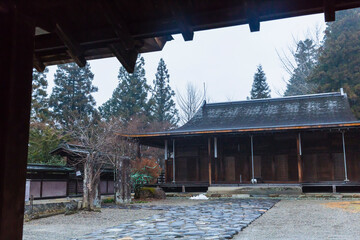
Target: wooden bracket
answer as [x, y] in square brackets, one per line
[126, 58]
[38, 64]
[118, 24]
[329, 10]
[182, 21]
[252, 16]
[74, 48]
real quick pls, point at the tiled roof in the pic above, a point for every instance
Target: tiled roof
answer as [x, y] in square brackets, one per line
[315, 109]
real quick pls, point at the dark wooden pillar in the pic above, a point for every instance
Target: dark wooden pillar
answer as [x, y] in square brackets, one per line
[216, 162]
[197, 170]
[299, 159]
[209, 159]
[16, 63]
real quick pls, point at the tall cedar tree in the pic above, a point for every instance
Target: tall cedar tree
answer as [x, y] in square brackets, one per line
[305, 58]
[71, 97]
[39, 100]
[339, 60]
[130, 96]
[163, 105]
[43, 137]
[260, 88]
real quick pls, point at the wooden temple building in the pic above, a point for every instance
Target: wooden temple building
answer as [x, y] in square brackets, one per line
[39, 33]
[301, 139]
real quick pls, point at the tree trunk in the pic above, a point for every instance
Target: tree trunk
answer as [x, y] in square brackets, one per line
[122, 182]
[92, 194]
[85, 186]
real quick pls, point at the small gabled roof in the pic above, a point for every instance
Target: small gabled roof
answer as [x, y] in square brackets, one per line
[326, 110]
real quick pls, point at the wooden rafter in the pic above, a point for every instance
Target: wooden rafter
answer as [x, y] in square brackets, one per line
[74, 48]
[181, 20]
[118, 24]
[125, 48]
[38, 64]
[329, 10]
[252, 16]
[126, 58]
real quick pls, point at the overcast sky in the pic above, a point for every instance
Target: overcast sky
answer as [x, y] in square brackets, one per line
[224, 59]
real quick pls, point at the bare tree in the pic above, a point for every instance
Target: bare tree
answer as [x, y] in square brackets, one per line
[89, 135]
[119, 151]
[189, 102]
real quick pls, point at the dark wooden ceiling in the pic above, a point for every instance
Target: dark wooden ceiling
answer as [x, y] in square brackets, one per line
[79, 30]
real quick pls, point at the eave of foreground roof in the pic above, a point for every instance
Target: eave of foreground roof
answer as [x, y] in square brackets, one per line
[355, 124]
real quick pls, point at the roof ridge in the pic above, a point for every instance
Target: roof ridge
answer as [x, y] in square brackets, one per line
[307, 96]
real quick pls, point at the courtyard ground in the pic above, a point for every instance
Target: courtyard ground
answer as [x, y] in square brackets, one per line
[307, 219]
[287, 219]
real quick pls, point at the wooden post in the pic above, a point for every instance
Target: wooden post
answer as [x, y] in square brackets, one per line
[173, 161]
[209, 159]
[344, 151]
[216, 159]
[197, 165]
[252, 160]
[299, 159]
[166, 171]
[16, 64]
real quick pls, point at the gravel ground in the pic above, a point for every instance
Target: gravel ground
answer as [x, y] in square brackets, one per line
[62, 227]
[303, 219]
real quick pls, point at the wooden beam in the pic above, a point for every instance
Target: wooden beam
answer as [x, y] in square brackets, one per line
[299, 157]
[252, 15]
[38, 65]
[329, 10]
[74, 49]
[182, 20]
[125, 57]
[16, 65]
[209, 159]
[114, 17]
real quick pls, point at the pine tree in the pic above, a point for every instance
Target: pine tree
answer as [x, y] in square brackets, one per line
[130, 96]
[339, 60]
[71, 97]
[43, 138]
[260, 88]
[164, 109]
[306, 58]
[39, 101]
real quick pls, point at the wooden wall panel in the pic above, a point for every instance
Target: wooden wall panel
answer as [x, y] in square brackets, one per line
[266, 168]
[229, 169]
[257, 166]
[338, 160]
[309, 170]
[324, 167]
[281, 167]
[191, 169]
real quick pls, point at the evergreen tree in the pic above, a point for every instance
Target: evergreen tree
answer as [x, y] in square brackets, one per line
[43, 138]
[71, 95]
[339, 60]
[39, 101]
[130, 96]
[306, 59]
[163, 104]
[260, 88]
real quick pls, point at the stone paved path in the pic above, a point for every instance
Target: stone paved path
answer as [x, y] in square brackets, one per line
[214, 219]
